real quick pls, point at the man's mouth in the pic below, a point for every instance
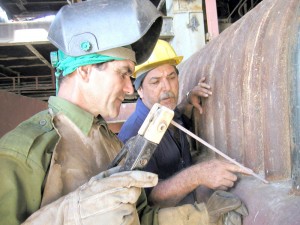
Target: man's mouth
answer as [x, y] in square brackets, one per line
[167, 100]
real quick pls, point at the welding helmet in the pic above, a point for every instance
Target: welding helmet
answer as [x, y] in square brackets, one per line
[96, 26]
[163, 53]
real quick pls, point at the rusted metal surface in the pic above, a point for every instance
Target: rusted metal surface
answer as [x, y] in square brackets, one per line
[16, 108]
[269, 204]
[254, 112]
[249, 69]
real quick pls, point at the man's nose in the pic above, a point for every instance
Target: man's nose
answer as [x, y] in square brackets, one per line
[128, 88]
[166, 85]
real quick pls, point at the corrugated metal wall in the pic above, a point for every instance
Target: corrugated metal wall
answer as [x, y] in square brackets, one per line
[251, 68]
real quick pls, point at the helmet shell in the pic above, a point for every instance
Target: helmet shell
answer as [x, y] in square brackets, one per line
[98, 25]
[163, 53]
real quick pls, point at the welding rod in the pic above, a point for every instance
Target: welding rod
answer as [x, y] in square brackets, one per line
[217, 151]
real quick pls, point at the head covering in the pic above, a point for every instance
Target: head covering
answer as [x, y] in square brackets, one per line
[138, 81]
[163, 53]
[65, 64]
[103, 25]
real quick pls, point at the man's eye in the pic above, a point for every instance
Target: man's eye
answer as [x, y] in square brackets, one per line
[154, 82]
[123, 75]
[172, 76]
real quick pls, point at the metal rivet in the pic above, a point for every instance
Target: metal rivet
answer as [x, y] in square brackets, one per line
[85, 46]
[143, 162]
[162, 127]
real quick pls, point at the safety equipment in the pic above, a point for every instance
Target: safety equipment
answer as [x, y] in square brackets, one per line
[65, 65]
[225, 208]
[222, 208]
[163, 53]
[99, 25]
[103, 200]
[183, 215]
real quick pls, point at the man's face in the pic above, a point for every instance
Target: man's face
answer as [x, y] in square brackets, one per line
[160, 86]
[108, 86]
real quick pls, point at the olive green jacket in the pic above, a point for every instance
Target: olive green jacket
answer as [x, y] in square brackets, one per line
[25, 155]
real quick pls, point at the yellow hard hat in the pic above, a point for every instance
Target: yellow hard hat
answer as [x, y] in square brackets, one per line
[162, 53]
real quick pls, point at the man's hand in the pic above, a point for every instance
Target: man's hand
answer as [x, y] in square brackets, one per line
[222, 208]
[200, 90]
[225, 208]
[217, 174]
[103, 200]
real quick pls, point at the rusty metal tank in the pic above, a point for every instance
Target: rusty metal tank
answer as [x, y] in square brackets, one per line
[253, 116]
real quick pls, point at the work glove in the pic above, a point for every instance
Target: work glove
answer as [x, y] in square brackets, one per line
[106, 199]
[188, 214]
[225, 208]
[221, 208]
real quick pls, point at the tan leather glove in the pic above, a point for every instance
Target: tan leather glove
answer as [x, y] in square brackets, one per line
[103, 200]
[184, 215]
[225, 208]
[222, 208]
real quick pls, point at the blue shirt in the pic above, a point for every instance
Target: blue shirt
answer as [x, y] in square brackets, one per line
[172, 153]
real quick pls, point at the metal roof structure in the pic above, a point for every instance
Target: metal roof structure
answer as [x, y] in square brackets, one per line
[25, 66]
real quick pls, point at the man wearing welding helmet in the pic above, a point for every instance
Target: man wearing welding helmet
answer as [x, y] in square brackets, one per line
[50, 164]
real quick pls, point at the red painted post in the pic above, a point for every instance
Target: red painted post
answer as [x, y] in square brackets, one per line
[212, 19]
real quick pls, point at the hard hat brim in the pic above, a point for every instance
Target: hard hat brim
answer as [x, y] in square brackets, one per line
[145, 68]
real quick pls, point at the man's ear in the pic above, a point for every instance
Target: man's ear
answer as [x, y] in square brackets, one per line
[84, 72]
[140, 92]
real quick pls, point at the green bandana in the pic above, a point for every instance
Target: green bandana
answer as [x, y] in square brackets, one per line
[65, 64]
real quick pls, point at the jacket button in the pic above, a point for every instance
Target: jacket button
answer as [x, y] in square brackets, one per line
[43, 122]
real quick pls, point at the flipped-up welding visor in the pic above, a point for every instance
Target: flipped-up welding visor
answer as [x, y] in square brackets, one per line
[99, 25]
